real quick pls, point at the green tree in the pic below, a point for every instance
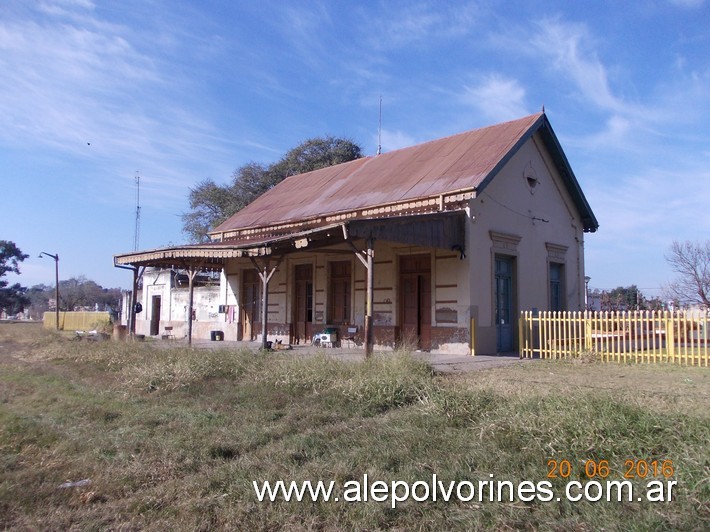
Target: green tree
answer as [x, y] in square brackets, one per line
[654, 303]
[211, 204]
[626, 298]
[314, 154]
[691, 261]
[79, 293]
[39, 296]
[12, 298]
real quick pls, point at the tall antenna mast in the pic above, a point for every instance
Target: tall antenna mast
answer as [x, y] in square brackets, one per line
[379, 130]
[136, 236]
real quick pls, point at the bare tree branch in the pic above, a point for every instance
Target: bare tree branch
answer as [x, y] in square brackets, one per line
[691, 261]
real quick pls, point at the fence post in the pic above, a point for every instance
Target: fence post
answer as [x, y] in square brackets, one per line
[670, 335]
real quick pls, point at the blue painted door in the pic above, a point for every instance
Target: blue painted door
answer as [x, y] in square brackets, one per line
[504, 304]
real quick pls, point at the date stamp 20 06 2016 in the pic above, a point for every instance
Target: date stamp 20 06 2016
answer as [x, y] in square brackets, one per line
[632, 469]
[594, 483]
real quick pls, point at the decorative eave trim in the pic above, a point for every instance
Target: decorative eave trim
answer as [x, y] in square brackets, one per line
[175, 255]
[451, 201]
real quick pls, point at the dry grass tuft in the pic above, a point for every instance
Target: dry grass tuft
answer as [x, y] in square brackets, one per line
[174, 438]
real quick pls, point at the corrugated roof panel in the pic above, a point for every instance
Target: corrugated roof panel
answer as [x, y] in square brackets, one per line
[298, 197]
[435, 167]
[442, 174]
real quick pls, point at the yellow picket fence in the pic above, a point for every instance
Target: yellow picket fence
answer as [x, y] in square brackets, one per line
[70, 321]
[634, 336]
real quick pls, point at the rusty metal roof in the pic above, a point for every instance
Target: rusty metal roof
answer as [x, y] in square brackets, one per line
[459, 163]
[361, 197]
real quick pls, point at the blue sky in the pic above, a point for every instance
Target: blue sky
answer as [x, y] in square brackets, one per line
[92, 93]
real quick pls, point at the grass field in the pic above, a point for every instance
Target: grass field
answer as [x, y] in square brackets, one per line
[174, 438]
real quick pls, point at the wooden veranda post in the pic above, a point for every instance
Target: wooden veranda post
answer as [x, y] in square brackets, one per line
[264, 303]
[190, 279]
[368, 262]
[192, 271]
[265, 275]
[370, 291]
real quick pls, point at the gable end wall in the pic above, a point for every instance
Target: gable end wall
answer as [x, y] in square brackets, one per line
[547, 226]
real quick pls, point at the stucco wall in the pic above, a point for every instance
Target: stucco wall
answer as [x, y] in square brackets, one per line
[544, 220]
[173, 306]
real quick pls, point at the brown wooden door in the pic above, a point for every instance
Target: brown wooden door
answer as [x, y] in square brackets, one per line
[339, 293]
[302, 302]
[415, 300]
[251, 304]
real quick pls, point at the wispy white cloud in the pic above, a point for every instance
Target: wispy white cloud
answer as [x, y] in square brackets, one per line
[70, 79]
[577, 69]
[615, 131]
[303, 28]
[692, 4]
[570, 47]
[640, 215]
[643, 197]
[394, 140]
[655, 201]
[55, 76]
[406, 23]
[64, 7]
[496, 97]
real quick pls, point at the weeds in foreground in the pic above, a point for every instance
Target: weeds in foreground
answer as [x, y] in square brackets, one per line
[589, 356]
[174, 438]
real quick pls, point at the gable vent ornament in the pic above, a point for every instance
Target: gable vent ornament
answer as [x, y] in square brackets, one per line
[530, 177]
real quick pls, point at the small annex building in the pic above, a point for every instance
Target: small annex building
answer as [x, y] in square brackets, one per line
[438, 246]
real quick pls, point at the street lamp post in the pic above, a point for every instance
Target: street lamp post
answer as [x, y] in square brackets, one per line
[586, 291]
[56, 278]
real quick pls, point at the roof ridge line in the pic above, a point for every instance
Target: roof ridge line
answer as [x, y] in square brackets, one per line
[537, 115]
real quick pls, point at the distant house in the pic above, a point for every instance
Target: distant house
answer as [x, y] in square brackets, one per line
[438, 246]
